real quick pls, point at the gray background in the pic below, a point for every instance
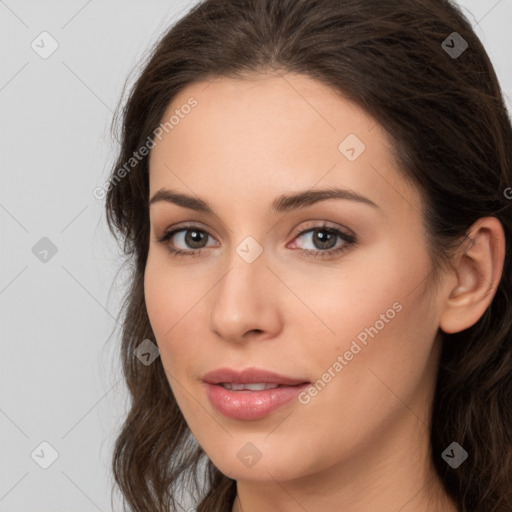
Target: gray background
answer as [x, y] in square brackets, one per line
[59, 375]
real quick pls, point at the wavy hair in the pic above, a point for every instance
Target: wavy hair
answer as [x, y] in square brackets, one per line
[452, 138]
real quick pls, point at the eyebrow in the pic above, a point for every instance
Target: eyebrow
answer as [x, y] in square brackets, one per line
[283, 203]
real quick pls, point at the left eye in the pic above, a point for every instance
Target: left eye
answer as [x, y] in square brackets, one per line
[323, 239]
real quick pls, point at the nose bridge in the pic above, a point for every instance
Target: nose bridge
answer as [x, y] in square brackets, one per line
[246, 267]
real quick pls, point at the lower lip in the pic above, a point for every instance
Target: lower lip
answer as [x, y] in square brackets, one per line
[251, 405]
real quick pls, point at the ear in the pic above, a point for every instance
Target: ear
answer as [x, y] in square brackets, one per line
[478, 271]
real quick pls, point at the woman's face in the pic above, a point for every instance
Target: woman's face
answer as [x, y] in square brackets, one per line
[275, 276]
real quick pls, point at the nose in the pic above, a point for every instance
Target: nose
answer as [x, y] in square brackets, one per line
[246, 301]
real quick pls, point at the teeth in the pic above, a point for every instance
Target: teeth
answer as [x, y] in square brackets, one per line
[251, 387]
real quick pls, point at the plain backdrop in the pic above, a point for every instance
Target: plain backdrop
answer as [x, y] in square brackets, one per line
[61, 394]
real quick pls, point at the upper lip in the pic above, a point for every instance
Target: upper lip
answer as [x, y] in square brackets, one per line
[249, 376]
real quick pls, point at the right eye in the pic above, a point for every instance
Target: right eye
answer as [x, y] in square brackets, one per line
[192, 236]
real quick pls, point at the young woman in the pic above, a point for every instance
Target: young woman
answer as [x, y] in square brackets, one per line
[315, 196]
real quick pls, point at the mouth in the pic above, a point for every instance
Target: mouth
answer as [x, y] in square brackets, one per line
[251, 393]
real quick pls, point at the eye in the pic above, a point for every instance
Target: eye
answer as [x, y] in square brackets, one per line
[323, 241]
[190, 236]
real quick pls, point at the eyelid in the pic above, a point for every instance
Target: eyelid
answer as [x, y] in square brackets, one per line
[183, 226]
[321, 224]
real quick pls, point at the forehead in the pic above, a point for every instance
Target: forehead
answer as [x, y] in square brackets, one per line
[268, 133]
[271, 109]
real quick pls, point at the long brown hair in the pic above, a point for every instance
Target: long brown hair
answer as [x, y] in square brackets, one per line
[443, 108]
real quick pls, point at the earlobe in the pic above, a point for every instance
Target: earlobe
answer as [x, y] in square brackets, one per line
[478, 268]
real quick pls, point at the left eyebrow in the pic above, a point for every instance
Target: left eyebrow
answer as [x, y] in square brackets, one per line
[287, 202]
[283, 203]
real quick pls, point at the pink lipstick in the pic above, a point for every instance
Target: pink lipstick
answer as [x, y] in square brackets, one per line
[251, 393]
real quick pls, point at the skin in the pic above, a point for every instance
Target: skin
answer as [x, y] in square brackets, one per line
[361, 444]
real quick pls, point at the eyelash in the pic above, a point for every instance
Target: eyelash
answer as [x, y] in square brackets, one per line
[348, 239]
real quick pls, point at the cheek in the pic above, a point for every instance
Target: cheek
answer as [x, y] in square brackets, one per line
[381, 330]
[170, 297]
[377, 382]
[170, 293]
[177, 305]
[372, 299]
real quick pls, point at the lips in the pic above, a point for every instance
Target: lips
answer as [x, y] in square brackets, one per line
[251, 393]
[249, 376]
